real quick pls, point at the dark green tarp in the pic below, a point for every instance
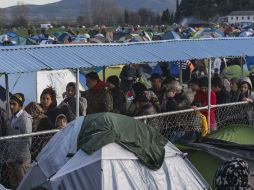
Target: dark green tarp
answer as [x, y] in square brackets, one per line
[144, 141]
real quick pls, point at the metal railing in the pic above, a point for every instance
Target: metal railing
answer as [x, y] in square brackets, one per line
[176, 126]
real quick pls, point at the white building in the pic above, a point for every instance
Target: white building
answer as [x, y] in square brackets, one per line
[241, 16]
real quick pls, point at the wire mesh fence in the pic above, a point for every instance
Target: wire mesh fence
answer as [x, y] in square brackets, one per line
[176, 126]
[228, 114]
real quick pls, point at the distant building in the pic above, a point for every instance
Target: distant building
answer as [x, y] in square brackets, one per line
[241, 16]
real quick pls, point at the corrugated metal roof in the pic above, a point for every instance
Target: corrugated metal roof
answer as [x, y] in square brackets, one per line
[241, 13]
[33, 58]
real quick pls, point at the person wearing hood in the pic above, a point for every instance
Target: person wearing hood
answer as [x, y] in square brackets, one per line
[233, 174]
[176, 98]
[99, 98]
[246, 95]
[129, 74]
[246, 90]
[119, 99]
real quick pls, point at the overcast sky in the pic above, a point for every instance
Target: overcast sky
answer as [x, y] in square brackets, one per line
[9, 3]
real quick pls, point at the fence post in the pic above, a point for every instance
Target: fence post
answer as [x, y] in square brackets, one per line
[77, 93]
[242, 67]
[7, 93]
[104, 73]
[209, 94]
[181, 73]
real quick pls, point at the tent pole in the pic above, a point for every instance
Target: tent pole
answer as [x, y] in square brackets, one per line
[104, 73]
[241, 67]
[181, 73]
[36, 88]
[209, 94]
[7, 94]
[77, 93]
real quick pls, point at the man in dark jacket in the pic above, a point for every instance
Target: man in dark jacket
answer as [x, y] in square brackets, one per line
[176, 98]
[222, 95]
[99, 98]
[119, 99]
[128, 75]
[156, 81]
[143, 105]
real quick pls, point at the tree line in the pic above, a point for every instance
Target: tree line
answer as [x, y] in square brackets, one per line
[99, 12]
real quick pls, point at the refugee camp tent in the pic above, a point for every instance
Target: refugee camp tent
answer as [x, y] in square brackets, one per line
[209, 33]
[32, 84]
[170, 36]
[232, 141]
[246, 34]
[110, 167]
[64, 37]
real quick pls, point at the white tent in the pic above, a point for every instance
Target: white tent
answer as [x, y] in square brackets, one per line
[32, 84]
[111, 167]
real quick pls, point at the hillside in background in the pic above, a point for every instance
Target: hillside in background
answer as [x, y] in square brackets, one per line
[71, 9]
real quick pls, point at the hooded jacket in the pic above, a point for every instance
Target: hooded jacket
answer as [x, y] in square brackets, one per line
[249, 109]
[249, 93]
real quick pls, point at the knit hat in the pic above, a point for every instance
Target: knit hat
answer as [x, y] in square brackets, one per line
[233, 173]
[19, 98]
[203, 82]
[114, 80]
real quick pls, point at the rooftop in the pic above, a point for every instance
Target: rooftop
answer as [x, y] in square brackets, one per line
[241, 13]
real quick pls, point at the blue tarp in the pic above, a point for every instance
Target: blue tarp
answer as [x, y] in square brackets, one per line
[250, 62]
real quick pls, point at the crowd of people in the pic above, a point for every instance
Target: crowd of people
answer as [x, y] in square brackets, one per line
[123, 95]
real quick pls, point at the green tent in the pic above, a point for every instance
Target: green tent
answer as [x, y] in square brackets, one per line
[227, 142]
[240, 134]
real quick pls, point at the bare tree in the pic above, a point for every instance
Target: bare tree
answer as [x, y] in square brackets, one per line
[105, 12]
[2, 17]
[88, 12]
[20, 15]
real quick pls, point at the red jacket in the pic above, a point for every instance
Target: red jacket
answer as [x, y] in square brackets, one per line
[202, 98]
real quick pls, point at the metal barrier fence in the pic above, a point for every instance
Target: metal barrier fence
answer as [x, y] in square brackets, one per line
[175, 126]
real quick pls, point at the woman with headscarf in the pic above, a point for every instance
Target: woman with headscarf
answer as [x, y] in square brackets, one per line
[233, 175]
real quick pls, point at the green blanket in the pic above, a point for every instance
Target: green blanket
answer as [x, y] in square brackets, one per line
[144, 141]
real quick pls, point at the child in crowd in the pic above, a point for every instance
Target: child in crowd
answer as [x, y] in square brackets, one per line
[61, 121]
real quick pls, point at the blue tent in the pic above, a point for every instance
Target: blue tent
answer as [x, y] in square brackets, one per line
[64, 36]
[171, 36]
[11, 34]
[250, 62]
